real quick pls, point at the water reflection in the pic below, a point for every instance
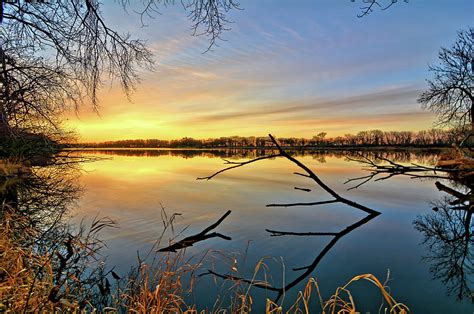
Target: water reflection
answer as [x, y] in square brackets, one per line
[447, 230]
[422, 156]
[336, 198]
[42, 194]
[35, 202]
[449, 239]
[129, 188]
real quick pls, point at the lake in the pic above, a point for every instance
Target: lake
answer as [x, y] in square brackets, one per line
[132, 186]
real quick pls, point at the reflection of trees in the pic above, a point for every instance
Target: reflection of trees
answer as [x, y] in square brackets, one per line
[33, 202]
[447, 231]
[448, 236]
[404, 156]
[43, 194]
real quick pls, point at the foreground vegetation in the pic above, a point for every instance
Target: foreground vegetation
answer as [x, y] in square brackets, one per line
[47, 265]
[34, 282]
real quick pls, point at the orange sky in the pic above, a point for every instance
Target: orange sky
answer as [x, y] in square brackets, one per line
[283, 69]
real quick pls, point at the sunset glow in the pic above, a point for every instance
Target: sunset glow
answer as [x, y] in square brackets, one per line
[325, 70]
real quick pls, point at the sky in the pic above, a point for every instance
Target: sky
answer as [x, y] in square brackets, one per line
[286, 67]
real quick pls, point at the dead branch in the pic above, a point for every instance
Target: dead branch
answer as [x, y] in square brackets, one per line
[276, 233]
[302, 189]
[391, 169]
[302, 204]
[235, 165]
[308, 173]
[201, 236]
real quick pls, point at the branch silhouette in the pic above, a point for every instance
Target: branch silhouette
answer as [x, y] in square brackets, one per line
[337, 198]
[201, 236]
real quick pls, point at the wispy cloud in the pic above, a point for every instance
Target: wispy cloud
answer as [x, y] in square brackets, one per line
[357, 104]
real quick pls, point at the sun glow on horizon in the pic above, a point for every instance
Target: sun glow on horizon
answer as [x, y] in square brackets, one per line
[326, 71]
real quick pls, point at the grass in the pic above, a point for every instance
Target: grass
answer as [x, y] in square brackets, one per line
[28, 280]
[67, 275]
[20, 287]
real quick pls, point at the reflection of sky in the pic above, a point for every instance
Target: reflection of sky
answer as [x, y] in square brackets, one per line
[130, 189]
[294, 70]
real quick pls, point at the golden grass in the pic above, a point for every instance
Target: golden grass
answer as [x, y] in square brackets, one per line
[341, 302]
[158, 290]
[20, 288]
[10, 167]
[155, 288]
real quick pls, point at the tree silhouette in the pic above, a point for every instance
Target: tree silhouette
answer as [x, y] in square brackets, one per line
[55, 55]
[450, 92]
[369, 5]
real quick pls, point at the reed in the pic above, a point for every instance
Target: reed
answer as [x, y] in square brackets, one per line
[29, 281]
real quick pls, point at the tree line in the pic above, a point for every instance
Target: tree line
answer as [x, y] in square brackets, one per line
[371, 138]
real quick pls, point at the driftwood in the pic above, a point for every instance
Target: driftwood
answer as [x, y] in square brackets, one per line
[201, 236]
[336, 198]
[389, 169]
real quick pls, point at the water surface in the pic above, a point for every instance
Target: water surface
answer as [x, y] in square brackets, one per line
[131, 186]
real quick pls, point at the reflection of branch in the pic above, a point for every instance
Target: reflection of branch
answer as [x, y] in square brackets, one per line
[276, 233]
[203, 235]
[308, 173]
[235, 164]
[458, 195]
[392, 169]
[309, 269]
[260, 284]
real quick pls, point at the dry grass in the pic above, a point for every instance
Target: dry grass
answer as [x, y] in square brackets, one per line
[20, 288]
[158, 290]
[341, 302]
[154, 288]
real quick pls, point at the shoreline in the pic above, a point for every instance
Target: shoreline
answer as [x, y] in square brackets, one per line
[290, 148]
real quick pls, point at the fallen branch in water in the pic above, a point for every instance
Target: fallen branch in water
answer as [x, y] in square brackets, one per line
[337, 198]
[201, 236]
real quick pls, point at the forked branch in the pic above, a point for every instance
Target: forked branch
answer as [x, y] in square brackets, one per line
[336, 198]
[201, 236]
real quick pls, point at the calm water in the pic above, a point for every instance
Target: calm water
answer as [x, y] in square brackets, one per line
[131, 186]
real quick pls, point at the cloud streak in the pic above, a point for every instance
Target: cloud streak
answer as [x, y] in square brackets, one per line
[356, 104]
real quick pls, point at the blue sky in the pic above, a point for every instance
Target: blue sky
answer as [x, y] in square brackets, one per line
[292, 68]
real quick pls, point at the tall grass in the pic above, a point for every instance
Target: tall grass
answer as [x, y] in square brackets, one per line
[20, 286]
[67, 275]
[28, 283]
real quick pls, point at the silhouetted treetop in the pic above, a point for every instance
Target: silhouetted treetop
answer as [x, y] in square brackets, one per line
[450, 92]
[73, 36]
[368, 6]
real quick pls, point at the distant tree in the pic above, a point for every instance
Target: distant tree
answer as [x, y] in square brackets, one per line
[318, 139]
[450, 92]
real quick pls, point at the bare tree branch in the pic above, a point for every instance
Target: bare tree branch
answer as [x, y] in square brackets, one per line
[201, 236]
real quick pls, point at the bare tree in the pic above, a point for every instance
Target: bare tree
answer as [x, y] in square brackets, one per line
[450, 92]
[369, 5]
[208, 17]
[56, 55]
